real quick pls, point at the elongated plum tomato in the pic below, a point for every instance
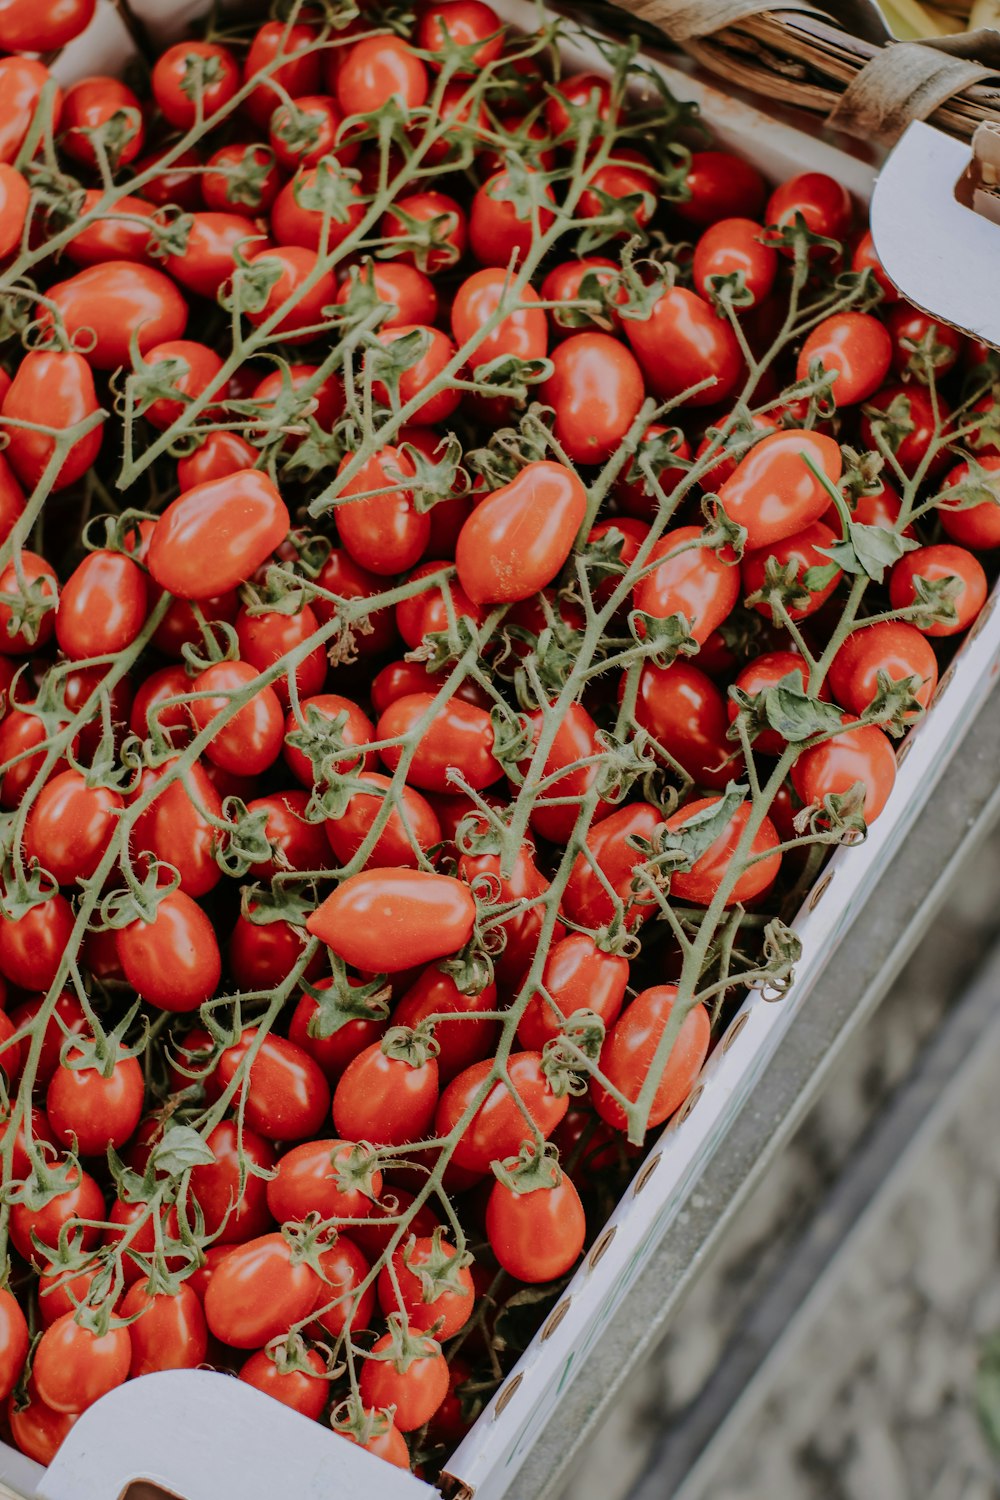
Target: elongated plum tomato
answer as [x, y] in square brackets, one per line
[13, 1342]
[424, 1284]
[856, 346]
[74, 1366]
[58, 385]
[285, 1095]
[690, 580]
[701, 883]
[765, 672]
[460, 1042]
[304, 1390]
[258, 1291]
[34, 589]
[231, 1214]
[39, 1431]
[498, 1127]
[193, 76]
[536, 1235]
[796, 556]
[414, 1386]
[21, 82]
[175, 827]
[170, 1334]
[575, 739]
[519, 537]
[731, 247]
[26, 26]
[684, 343]
[120, 301]
[93, 1110]
[685, 712]
[501, 229]
[409, 292]
[248, 741]
[384, 533]
[392, 919]
[630, 1047]
[173, 961]
[586, 899]
[102, 606]
[890, 646]
[578, 975]
[859, 753]
[330, 1177]
[15, 196]
[975, 525]
[460, 736]
[721, 186]
[70, 826]
[401, 840]
[596, 389]
[215, 536]
[522, 334]
[773, 492]
[387, 1094]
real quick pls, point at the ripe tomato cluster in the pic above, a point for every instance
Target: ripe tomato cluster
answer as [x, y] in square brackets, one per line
[468, 550]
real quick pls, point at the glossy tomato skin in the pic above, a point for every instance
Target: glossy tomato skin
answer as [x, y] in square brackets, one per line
[74, 1367]
[39, 576]
[519, 537]
[344, 1304]
[498, 1127]
[538, 1235]
[919, 343]
[176, 827]
[291, 311]
[32, 946]
[522, 334]
[37, 1430]
[60, 383]
[685, 712]
[383, 533]
[807, 549]
[450, 234]
[460, 1042]
[936, 563]
[578, 975]
[333, 1052]
[231, 1215]
[173, 961]
[890, 646]
[401, 842]
[15, 198]
[299, 76]
[702, 882]
[690, 580]
[356, 732]
[286, 1096]
[596, 389]
[209, 256]
[858, 754]
[94, 1110]
[92, 103]
[438, 353]
[243, 178]
[216, 535]
[460, 735]
[683, 343]
[735, 247]
[499, 230]
[300, 136]
[305, 1391]
[462, 23]
[522, 926]
[102, 606]
[410, 295]
[629, 1048]
[976, 526]
[248, 741]
[192, 368]
[425, 916]
[193, 76]
[565, 283]
[70, 826]
[218, 455]
[386, 1100]
[170, 1334]
[297, 843]
[865, 259]
[773, 493]
[426, 613]
[378, 69]
[28, 27]
[316, 1177]
[120, 300]
[258, 1291]
[82, 1199]
[575, 739]
[854, 344]
[416, 1390]
[406, 1292]
[721, 186]
[821, 201]
[21, 82]
[298, 219]
[14, 1338]
[585, 899]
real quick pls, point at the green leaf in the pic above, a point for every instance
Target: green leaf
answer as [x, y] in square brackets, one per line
[795, 715]
[181, 1147]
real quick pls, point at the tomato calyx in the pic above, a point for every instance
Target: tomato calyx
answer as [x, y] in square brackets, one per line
[290, 1355]
[568, 1057]
[934, 602]
[437, 1268]
[662, 637]
[343, 1000]
[531, 1169]
[351, 1418]
[414, 1046]
[356, 1169]
[28, 604]
[403, 1347]
[839, 818]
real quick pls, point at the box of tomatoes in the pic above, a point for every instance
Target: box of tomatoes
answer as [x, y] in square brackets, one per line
[492, 568]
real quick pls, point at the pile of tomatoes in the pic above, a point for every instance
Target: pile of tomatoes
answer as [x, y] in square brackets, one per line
[469, 549]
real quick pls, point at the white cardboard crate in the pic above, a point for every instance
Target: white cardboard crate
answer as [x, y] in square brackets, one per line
[203, 1436]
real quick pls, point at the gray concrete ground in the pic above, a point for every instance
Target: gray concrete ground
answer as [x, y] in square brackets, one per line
[878, 1402]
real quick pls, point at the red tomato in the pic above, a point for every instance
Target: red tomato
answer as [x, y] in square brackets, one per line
[857, 347]
[242, 179]
[865, 259]
[628, 175]
[764, 672]
[306, 751]
[265, 639]
[682, 343]
[173, 961]
[426, 613]
[120, 301]
[460, 1042]
[702, 882]
[596, 389]
[190, 369]
[302, 134]
[176, 826]
[297, 844]
[31, 620]
[415, 1384]
[635, 496]
[70, 826]
[234, 1214]
[317, 209]
[215, 536]
[394, 1205]
[629, 1049]
[935, 564]
[424, 1284]
[500, 230]
[578, 975]
[259, 1291]
[170, 1334]
[890, 646]
[104, 107]
[448, 236]
[66, 1019]
[296, 299]
[249, 740]
[384, 1439]
[773, 492]
[217, 456]
[333, 1052]
[451, 24]
[26, 26]
[387, 1094]
[684, 711]
[74, 1367]
[862, 754]
[575, 739]
[32, 946]
[721, 186]
[976, 526]
[15, 198]
[438, 353]
[33, 1127]
[566, 283]
[102, 607]
[192, 80]
[342, 1305]
[403, 839]
[536, 1235]
[285, 1096]
[120, 233]
[822, 203]
[60, 384]
[37, 1430]
[581, 91]
[95, 1109]
[586, 900]
[690, 580]
[460, 737]
[904, 418]
[208, 257]
[409, 294]
[805, 550]
[522, 926]
[14, 1338]
[521, 334]
[11, 497]
[919, 343]
[305, 1391]
[81, 1199]
[383, 533]
[59, 1294]
[735, 247]
[378, 69]
[519, 537]
[21, 82]
[426, 916]
[331, 1178]
[299, 76]
[498, 1127]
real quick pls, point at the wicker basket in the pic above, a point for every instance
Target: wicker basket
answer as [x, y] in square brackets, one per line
[837, 59]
